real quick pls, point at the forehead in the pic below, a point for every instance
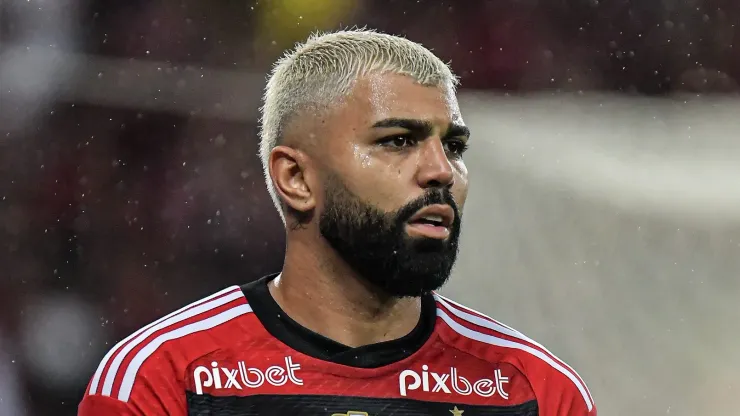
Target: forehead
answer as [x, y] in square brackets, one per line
[381, 96]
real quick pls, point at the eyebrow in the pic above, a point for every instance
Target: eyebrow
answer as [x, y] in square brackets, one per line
[422, 126]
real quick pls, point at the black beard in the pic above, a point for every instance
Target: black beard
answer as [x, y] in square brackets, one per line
[375, 244]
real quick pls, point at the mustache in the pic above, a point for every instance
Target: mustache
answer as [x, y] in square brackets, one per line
[432, 197]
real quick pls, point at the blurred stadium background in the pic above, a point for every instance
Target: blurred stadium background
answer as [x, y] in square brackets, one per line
[603, 220]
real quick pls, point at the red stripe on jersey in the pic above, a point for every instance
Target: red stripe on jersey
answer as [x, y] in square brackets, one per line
[131, 374]
[114, 357]
[113, 380]
[96, 382]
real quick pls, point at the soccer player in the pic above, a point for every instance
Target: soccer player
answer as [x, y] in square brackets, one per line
[362, 144]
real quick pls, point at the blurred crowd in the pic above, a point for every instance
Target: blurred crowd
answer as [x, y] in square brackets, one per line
[110, 217]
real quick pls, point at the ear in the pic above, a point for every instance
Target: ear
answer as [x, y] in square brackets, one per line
[290, 172]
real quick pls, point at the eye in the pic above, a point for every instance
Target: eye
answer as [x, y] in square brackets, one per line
[399, 141]
[455, 147]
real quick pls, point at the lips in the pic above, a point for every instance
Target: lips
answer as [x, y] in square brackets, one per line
[437, 215]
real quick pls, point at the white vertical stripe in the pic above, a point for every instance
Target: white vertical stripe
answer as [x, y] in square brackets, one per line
[99, 372]
[110, 376]
[133, 368]
[500, 342]
[490, 324]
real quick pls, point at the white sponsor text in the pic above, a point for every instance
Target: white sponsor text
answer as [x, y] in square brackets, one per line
[244, 377]
[450, 382]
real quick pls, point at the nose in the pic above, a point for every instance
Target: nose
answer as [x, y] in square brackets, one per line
[434, 169]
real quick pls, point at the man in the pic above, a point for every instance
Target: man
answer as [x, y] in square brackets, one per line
[362, 145]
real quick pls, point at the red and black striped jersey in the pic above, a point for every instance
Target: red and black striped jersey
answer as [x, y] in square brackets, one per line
[236, 353]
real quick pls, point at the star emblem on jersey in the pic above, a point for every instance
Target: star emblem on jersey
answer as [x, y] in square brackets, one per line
[457, 412]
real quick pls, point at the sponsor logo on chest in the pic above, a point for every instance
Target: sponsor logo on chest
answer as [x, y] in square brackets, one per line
[451, 382]
[242, 377]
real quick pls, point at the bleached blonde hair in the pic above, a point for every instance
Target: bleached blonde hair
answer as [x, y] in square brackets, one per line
[325, 67]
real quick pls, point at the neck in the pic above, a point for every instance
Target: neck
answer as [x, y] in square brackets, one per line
[321, 292]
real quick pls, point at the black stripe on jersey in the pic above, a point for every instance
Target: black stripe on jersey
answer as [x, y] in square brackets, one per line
[320, 405]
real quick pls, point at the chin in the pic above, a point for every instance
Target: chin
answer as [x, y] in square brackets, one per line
[428, 247]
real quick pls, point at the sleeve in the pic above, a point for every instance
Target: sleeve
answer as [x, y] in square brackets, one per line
[151, 389]
[560, 391]
[566, 402]
[105, 406]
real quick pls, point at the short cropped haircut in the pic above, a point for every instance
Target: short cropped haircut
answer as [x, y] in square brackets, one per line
[325, 68]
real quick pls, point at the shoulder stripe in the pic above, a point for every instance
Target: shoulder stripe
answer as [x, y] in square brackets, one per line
[101, 368]
[486, 322]
[112, 373]
[130, 377]
[447, 302]
[489, 323]
[501, 342]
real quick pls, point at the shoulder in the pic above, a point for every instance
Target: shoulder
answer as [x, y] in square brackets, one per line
[152, 361]
[550, 377]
